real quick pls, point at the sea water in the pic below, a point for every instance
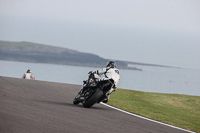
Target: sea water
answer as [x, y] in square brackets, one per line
[151, 79]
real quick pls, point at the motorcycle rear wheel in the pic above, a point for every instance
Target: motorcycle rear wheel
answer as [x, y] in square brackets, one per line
[93, 99]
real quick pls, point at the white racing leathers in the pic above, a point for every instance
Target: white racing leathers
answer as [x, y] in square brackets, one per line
[28, 76]
[109, 73]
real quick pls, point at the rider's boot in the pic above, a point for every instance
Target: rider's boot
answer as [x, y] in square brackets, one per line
[106, 99]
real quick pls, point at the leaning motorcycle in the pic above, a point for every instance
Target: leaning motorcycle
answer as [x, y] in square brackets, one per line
[93, 91]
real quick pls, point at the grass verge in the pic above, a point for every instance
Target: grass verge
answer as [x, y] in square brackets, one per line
[179, 110]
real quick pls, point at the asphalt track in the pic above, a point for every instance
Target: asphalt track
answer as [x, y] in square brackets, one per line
[28, 106]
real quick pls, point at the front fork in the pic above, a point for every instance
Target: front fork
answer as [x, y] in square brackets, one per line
[83, 94]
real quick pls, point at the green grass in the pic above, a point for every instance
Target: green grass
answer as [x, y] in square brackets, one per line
[174, 109]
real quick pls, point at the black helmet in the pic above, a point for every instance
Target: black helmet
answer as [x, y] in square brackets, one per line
[28, 71]
[111, 64]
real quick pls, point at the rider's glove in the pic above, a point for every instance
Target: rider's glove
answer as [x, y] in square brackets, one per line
[84, 81]
[94, 72]
[89, 72]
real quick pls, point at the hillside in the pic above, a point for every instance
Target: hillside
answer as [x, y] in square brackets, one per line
[40, 53]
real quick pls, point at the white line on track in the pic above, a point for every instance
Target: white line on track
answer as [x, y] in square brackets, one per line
[146, 118]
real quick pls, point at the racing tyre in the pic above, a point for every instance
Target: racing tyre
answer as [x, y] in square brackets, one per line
[76, 100]
[93, 99]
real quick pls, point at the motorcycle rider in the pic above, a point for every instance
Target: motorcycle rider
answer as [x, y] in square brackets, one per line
[111, 73]
[28, 75]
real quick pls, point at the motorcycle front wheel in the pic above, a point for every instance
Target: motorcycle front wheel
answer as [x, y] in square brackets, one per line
[93, 99]
[76, 101]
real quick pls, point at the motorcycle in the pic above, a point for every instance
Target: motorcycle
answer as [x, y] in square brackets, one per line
[93, 91]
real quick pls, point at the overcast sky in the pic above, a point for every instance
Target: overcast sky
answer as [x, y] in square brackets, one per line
[163, 32]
